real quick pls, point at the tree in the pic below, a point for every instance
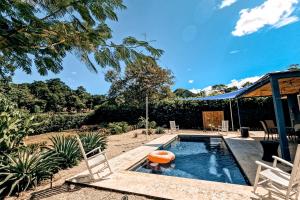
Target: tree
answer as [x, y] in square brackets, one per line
[184, 93]
[294, 67]
[231, 89]
[141, 78]
[246, 84]
[219, 87]
[50, 96]
[44, 32]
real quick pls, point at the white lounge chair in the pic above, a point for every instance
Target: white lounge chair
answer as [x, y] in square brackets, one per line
[225, 126]
[278, 181]
[173, 126]
[93, 159]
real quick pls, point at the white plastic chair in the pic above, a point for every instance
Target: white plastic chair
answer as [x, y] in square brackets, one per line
[93, 159]
[173, 126]
[225, 126]
[278, 181]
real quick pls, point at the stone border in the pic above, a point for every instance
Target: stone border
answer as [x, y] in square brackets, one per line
[150, 184]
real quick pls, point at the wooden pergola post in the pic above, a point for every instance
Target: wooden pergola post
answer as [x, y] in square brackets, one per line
[284, 145]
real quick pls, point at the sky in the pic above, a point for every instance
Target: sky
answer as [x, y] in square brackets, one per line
[206, 42]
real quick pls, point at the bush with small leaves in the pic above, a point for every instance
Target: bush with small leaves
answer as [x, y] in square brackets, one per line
[14, 126]
[119, 127]
[159, 130]
[142, 123]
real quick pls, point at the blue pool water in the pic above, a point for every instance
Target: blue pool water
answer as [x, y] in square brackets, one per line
[205, 158]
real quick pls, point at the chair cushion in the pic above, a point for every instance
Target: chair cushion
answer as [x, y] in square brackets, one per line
[276, 177]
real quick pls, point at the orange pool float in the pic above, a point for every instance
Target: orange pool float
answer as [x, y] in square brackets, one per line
[160, 156]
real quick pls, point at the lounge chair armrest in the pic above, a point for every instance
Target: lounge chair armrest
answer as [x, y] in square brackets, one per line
[282, 161]
[266, 166]
[97, 149]
[271, 168]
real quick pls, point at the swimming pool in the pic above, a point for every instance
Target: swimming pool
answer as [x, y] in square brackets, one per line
[205, 158]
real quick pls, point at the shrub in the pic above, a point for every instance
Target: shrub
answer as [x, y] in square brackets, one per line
[114, 128]
[160, 130]
[142, 123]
[25, 169]
[14, 126]
[36, 146]
[67, 149]
[58, 122]
[118, 127]
[152, 124]
[92, 140]
[150, 131]
[188, 114]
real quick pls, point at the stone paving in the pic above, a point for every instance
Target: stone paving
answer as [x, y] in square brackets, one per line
[245, 150]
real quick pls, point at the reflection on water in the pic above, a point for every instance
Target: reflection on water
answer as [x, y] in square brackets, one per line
[205, 159]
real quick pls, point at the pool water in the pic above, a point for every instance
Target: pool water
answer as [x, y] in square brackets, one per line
[205, 158]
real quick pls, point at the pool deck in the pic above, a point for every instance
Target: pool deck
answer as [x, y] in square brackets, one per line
[246, 151]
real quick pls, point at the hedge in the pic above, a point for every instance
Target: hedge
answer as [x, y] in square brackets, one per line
[58, 122]
[188, 114]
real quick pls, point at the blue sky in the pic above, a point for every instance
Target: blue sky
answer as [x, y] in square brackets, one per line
[206, 42]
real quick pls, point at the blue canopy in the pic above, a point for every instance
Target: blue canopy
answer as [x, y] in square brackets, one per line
[230, 95]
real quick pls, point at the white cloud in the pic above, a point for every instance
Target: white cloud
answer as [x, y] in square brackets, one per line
[191, 81]
[238, 83]
[206, 90]
[274, 13]
[74, 73]
[226, 3]
[234, 51]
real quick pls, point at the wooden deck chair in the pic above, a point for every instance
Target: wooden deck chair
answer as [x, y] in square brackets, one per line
[93, 159]
[225, 126]
[173, 126]
[278, 181]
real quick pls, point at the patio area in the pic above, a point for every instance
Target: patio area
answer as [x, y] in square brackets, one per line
[245, 150]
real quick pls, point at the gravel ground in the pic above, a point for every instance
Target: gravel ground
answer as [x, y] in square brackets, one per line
[117, 144]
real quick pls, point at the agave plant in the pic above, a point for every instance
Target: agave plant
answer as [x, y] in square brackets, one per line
[67, 149]
[24, 169]
[92, 140]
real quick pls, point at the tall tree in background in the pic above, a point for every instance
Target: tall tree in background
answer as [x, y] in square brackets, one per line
[43, 32]
[140, 78]
[294, 67]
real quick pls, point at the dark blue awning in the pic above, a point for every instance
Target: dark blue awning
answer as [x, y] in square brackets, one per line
[230, 95]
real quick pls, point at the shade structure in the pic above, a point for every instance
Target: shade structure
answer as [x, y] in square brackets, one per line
[230, 95]
[227, 96]
[278, 85]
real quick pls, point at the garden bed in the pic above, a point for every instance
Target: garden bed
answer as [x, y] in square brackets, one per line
[117, 144]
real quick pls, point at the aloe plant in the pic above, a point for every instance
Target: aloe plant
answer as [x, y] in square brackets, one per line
[67, 149]
[24, 169]
[92, 140]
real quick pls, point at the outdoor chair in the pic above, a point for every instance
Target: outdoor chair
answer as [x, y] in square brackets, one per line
[225, 126]
[278, 181]
[173, 126]
[266, 130]
[93, 159]
[272, 129]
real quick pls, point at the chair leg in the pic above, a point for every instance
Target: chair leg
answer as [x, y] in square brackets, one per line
[257, 178]
[298, 192]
